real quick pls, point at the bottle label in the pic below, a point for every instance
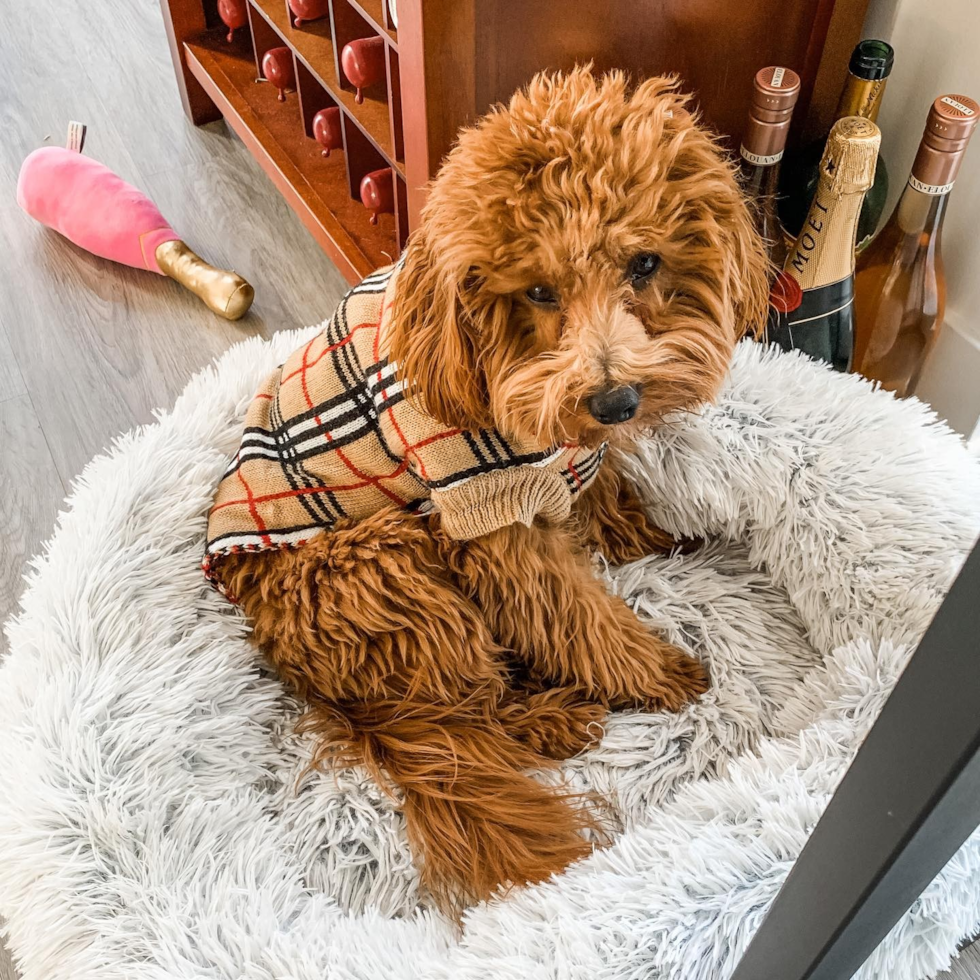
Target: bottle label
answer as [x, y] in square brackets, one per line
[777, 78]
[822, 302]
[821, 325]
[933, 190]
[965, 109]
[758, 159]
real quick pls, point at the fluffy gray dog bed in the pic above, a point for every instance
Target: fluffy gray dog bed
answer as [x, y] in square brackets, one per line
[156, 820]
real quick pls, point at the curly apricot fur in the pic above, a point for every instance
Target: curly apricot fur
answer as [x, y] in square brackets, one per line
[452, 669]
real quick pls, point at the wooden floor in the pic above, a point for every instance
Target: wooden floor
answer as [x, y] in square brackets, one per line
[88, 349]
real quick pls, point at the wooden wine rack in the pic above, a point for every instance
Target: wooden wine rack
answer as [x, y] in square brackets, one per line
[324, 191]
[449, 61]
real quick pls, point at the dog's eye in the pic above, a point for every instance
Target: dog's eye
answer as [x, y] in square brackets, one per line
[641, 267]
[542, 295]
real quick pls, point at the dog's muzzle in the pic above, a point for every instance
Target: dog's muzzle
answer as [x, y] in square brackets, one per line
[615, 405]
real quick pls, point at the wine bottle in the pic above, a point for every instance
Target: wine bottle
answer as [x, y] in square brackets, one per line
[900, 285]
[868, 71]
[774, 94]
[811, 300]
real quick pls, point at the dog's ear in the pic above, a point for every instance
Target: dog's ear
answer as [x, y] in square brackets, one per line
[748, 272]
[435, 339]
[691, 153]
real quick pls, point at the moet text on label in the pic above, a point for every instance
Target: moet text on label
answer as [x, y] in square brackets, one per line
[809, 237]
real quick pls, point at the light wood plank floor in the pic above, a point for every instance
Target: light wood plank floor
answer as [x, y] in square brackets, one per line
[89, 349]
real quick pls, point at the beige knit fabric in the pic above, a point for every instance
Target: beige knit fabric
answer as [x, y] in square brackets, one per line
[333, 434]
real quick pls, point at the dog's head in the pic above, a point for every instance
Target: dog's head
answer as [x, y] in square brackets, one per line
[585, 265]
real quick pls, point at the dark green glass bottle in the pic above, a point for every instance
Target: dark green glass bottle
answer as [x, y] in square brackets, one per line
[868, 71]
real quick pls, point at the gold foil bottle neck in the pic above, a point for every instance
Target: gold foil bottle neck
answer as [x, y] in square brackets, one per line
[861, 97]
[850, 156]
[867, 74]
[824, 252]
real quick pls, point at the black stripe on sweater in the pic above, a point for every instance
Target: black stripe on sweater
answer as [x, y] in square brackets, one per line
[323, 512]
[488, 467]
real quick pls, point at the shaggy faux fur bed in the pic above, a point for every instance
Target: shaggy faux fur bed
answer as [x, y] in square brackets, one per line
[157, 821]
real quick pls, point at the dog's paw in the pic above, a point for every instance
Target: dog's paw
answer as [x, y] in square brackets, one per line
[557, 723]
[667, 679]
[685, 679]
[631, 542]
[575, 729]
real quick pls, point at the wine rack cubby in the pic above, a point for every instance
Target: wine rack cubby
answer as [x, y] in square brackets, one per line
[446, 63]
[323, 189]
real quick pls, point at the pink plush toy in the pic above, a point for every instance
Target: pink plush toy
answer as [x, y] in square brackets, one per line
[98, 211]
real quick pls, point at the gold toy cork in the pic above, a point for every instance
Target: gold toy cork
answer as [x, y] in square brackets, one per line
[223, 292]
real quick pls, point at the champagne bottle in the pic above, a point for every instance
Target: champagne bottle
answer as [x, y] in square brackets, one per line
[774, 94]
[868, 71]
[900, 285]
[811, 300]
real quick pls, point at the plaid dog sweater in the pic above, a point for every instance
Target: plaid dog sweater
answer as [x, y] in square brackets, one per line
[333, 434]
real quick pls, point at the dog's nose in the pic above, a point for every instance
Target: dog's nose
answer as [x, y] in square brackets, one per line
[615, 405]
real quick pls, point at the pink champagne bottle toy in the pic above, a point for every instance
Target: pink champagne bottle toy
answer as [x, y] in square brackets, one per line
[97, 210]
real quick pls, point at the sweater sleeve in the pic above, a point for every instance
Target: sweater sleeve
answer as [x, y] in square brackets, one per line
[494, 500]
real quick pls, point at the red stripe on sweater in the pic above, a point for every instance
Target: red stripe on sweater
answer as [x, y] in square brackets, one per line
[325, 351]
[253, 510]
[431, 439]
[301, 491]
[368, 480]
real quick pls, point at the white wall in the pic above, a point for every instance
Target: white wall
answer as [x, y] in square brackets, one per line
[937, 50]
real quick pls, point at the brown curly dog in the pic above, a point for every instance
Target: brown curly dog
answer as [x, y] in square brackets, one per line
[584, 267]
